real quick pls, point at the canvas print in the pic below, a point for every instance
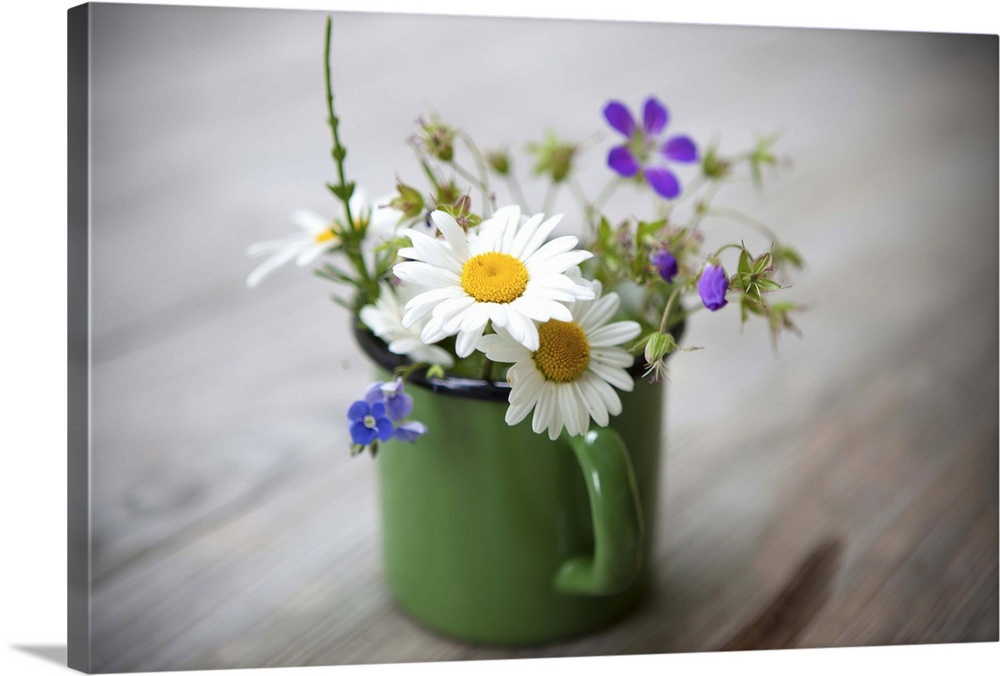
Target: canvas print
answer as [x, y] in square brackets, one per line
[409, 338]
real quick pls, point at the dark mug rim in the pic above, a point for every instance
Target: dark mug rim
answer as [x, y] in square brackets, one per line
[469, 388]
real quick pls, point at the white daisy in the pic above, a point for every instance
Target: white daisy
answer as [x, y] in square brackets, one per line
[319, 236]
[385, 319]
[568, 379]
[505, 272]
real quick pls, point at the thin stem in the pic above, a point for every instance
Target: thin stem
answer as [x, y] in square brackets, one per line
[664, 321]
[550, 197]
[338, 151]
[589, 213]
[515, 188]
[609, 189]
[745, 220]
[484, 182]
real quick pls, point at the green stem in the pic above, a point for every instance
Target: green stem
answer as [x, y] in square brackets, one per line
[483, 180]
[338, 153]
[732, 214]
[664, 321]
[586, 208]
[550, 197]
[609, 189]
[515, 188]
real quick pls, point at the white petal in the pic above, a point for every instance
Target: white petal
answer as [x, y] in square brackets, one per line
[476, 315]
[311, 253]
[613, 334]
[521, 328]
[270, 246]
[543, 409]
[465, 344]
[517, 412]
[450, 308]
[616, 376]
[432, 354]
[595, 406]
[561, 262]
[425, 274]
[489, 235]
[598, 313]
[607, 393]
[568, 409]
[555, 415]
[270, 265]
[405, 345]
[551, 248]
[511, 229]
[528, 388]
[501, 349]
[453, 234]
[310, 221]
[423, 304]
[612, 356]
[432, 251]
[541, 309]
[527, 241]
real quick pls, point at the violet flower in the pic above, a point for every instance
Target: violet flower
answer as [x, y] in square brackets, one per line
[712, 286]
[398, 404]
[644, 145]
[410, 431]
[368, 422]
[665, 264]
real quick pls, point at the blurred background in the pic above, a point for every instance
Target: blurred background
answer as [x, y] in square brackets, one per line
[838, 491]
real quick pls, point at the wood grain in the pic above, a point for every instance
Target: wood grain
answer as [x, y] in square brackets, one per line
[841, 492]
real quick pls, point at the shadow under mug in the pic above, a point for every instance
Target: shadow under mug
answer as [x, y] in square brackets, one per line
[493, 534]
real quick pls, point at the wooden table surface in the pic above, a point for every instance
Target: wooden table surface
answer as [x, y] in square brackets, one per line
[842, 492]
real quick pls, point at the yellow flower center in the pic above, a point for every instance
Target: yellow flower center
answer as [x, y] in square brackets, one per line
[494, 277]
[325, 236]
[563, 351]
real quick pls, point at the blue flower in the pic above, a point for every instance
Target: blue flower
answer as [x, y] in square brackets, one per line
[665, 264]
[398, 404]
[644, 144]
[712, 286]
[369, 422]
[410, 431]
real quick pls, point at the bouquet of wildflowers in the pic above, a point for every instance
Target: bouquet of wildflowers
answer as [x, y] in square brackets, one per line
[463, 285]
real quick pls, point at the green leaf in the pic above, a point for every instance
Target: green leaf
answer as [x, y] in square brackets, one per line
[766, 284]
[761, 263]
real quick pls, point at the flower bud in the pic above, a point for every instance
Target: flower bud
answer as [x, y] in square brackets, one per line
[712, 286]
[498, 161]
[658, 346]
[408, 200]
[665, 264]
[553, 157]
[437, 139]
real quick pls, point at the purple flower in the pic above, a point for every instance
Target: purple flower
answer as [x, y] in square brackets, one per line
[644, 144]
[712, 286]
[665, 264]
[398, 404]
[410, 431]
[368, 422]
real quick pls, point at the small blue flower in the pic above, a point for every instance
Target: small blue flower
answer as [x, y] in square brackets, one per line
[665, 264]
[644, 144]
[398, 404]
[410, 431]
[369, 422]
[712, 286]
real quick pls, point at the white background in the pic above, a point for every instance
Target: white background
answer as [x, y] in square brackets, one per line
[33, 375]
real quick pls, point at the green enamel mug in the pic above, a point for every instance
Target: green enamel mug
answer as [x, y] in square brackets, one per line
[493, 534]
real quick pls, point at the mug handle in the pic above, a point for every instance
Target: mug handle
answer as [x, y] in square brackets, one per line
[617, 518]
